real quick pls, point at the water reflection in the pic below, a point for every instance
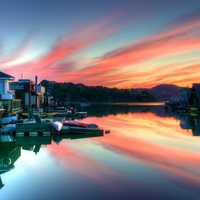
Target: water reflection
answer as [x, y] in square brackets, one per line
[10, 147]
[150, 154]
[189, 122]
[9, 153]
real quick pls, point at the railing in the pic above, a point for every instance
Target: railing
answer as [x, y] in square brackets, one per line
[11, 105]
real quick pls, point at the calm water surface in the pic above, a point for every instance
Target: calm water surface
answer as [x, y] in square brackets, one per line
[148, 155]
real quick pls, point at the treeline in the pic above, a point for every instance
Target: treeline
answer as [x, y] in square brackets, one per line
[69, 92]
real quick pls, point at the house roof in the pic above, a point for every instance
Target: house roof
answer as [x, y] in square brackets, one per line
[5, 76]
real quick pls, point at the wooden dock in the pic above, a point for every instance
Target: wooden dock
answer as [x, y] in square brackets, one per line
[31, 129]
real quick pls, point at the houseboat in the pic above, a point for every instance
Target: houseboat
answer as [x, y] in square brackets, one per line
[7, 99]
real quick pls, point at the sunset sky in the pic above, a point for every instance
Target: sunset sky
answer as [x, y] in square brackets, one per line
[114, 43]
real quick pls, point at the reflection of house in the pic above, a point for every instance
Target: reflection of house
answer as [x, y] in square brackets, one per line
[33, 143]
[10, 150]
[9, 153]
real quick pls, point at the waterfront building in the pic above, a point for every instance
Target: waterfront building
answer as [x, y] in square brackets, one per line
[30, 93]
[5, 93]
[40, 98]
[7, 98]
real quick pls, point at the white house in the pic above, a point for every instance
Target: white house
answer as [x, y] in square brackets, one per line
[5, 93]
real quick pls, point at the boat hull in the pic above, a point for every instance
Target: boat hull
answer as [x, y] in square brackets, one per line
[80, 130]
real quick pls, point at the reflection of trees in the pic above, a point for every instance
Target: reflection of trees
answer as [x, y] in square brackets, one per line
[101, 110]
[186, 121]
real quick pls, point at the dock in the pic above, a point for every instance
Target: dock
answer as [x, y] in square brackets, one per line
[46, 129]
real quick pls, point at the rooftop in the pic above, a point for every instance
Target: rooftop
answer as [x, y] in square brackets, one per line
[6, 76]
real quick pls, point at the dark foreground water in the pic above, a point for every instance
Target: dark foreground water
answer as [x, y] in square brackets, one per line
[149, 154]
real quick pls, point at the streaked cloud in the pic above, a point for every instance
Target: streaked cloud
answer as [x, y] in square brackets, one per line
[126, 66]
[175, 41]
[63, 50]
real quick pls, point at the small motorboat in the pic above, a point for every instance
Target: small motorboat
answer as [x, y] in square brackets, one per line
[69, 114]
[75, 123]
[57, 125]
[8, 119]
[8, 129]
[80, 127]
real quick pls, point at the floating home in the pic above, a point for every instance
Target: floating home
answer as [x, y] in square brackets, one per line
[7, 99]
[30, 93]
[5, 93]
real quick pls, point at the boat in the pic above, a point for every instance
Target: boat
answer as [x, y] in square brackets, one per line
[78, 124]
[8, 129]
[60, 109]
[8, 119]
[57, 125]
[69, 114]
[39, 127]
[80, 128]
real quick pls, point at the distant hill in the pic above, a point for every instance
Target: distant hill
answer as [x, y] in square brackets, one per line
[70, 92]
[165, 91]
[63, 92]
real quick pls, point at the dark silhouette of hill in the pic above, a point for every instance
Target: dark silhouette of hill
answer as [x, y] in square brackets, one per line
[70, 92]
[165, 91]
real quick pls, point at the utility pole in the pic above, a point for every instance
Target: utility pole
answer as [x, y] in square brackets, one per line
[36, 90]
[29, 99]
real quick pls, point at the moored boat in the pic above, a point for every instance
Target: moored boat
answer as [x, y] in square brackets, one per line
[77, 115]
[80, 128]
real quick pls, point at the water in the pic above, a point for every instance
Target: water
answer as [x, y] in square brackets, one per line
[149, 154]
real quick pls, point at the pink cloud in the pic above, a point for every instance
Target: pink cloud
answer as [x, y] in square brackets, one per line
[57, 64]
[63, 49]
